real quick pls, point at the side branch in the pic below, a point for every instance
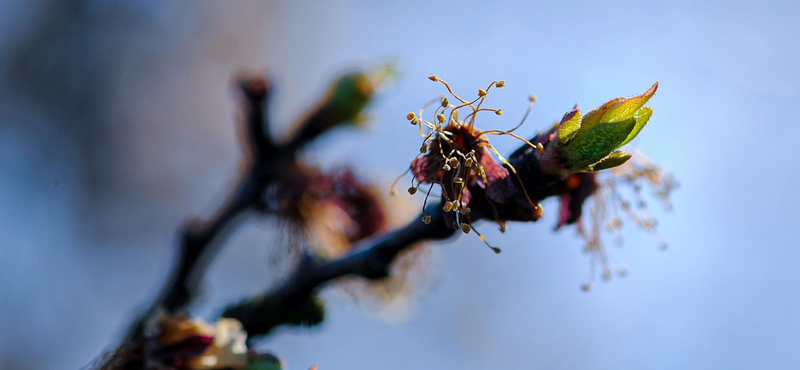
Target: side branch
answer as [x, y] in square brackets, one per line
[294, 301]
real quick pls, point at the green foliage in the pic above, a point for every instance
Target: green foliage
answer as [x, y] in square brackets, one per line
[588, 143]
[349, 95]
[570, 125]
[612, 160]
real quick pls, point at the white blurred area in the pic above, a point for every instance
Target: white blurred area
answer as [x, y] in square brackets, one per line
[117, 124]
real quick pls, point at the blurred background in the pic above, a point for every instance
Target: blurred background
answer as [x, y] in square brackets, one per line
[117, 124]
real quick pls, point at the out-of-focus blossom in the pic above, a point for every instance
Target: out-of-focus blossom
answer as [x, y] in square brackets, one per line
[194, 344]
[619, 197]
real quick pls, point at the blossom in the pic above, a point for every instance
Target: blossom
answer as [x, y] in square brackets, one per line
[197, 345]
[457, 156]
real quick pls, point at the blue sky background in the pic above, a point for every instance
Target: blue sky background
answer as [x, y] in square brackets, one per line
[138, 134]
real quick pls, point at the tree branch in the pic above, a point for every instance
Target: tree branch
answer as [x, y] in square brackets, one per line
[293, 302]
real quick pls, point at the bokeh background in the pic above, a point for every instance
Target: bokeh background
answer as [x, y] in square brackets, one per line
[117, 124]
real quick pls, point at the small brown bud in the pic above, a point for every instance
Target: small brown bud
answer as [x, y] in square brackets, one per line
[499, 112]
[465, 228]
[411, 116]
[533, 98]
[500, 84]
[445, 102]
[433, 78]
[424, 148]
[412, 190]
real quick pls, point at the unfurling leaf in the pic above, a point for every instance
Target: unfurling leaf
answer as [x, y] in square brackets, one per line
[595, 144]
[642, 116]
[569, 125]
[586, 142]
[627, 107]
[613, 160]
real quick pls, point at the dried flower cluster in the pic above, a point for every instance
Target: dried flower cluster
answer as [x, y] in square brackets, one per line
[618, 197]
[456, 155]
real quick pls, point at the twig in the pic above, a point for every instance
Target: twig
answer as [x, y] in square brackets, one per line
[202, 240]
[293, 301]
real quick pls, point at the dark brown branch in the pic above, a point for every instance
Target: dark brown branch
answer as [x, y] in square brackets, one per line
[202, 240]
[293, 302]
[265, 164]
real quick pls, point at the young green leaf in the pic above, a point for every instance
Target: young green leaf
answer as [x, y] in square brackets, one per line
[595, 144]
[613, 160]
[627, 107]
[641, 117]
[569, 125]
[593, 117]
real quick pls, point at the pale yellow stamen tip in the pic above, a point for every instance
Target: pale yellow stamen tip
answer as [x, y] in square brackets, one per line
[433, 78]
[445, 102]
[533, 98]
[447, 207]
[440, 118]
[501, 84]
[499, 112]
[540, 148]
[481, 92]
[415, 121]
